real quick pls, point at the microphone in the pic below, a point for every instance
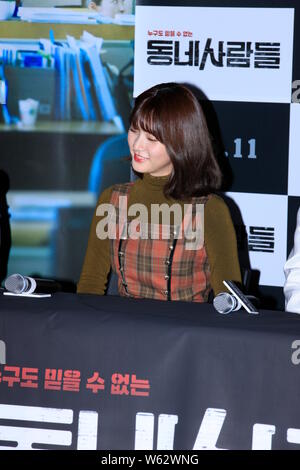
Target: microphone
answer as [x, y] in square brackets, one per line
[226, 303]
[18, 284]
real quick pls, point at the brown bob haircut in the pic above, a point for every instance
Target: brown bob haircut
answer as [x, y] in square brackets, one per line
[173, 115]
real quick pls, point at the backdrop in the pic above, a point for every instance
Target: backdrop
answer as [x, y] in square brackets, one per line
[244, 57]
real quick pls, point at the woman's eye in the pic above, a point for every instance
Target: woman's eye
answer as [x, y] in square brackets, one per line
[151, 138]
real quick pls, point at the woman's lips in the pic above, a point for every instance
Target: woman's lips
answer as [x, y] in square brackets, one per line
[139, 159]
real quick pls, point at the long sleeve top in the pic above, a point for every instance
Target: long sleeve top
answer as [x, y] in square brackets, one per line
[219, 238]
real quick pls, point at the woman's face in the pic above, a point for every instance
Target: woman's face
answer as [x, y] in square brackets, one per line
[148, 154]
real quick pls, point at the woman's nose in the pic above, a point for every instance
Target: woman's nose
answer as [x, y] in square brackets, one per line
[139, 141]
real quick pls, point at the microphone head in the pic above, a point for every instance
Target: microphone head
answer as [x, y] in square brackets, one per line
[224, 302]
[16, 283]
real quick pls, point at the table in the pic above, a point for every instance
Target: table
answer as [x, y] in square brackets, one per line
[106, 372]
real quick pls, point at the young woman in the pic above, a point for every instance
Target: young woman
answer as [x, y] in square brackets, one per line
[148, 245]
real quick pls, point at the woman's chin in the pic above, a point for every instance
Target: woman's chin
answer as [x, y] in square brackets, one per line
[138, 167]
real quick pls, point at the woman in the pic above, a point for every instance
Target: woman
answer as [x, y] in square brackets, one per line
[171, 150]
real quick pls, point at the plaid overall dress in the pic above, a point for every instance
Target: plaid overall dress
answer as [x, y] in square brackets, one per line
[157, 268]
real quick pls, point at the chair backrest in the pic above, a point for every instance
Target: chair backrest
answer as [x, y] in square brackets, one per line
[110, 164]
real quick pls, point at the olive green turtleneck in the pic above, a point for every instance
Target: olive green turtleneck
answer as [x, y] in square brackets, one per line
[219, 237]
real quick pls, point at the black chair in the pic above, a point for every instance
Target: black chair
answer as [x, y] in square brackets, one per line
[110, 165]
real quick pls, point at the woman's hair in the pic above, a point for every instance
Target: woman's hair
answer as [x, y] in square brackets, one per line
[173, 115]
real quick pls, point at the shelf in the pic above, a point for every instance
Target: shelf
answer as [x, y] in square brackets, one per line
[16, 29]
[50, 199]
[71, 127]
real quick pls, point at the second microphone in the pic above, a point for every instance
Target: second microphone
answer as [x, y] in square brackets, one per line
[19, 284]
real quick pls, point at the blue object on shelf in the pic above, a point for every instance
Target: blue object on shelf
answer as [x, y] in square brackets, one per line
[33, 60]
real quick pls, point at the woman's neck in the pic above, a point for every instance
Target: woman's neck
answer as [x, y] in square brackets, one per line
[155, 182]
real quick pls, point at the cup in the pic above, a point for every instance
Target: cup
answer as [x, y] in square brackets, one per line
[28, 112]
[6, 9]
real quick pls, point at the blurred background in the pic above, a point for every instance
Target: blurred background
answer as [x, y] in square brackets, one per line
[77, 63]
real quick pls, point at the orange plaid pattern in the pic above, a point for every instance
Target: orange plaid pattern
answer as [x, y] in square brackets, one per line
[161, 269]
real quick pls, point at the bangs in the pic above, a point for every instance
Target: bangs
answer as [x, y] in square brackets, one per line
[147, 118]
